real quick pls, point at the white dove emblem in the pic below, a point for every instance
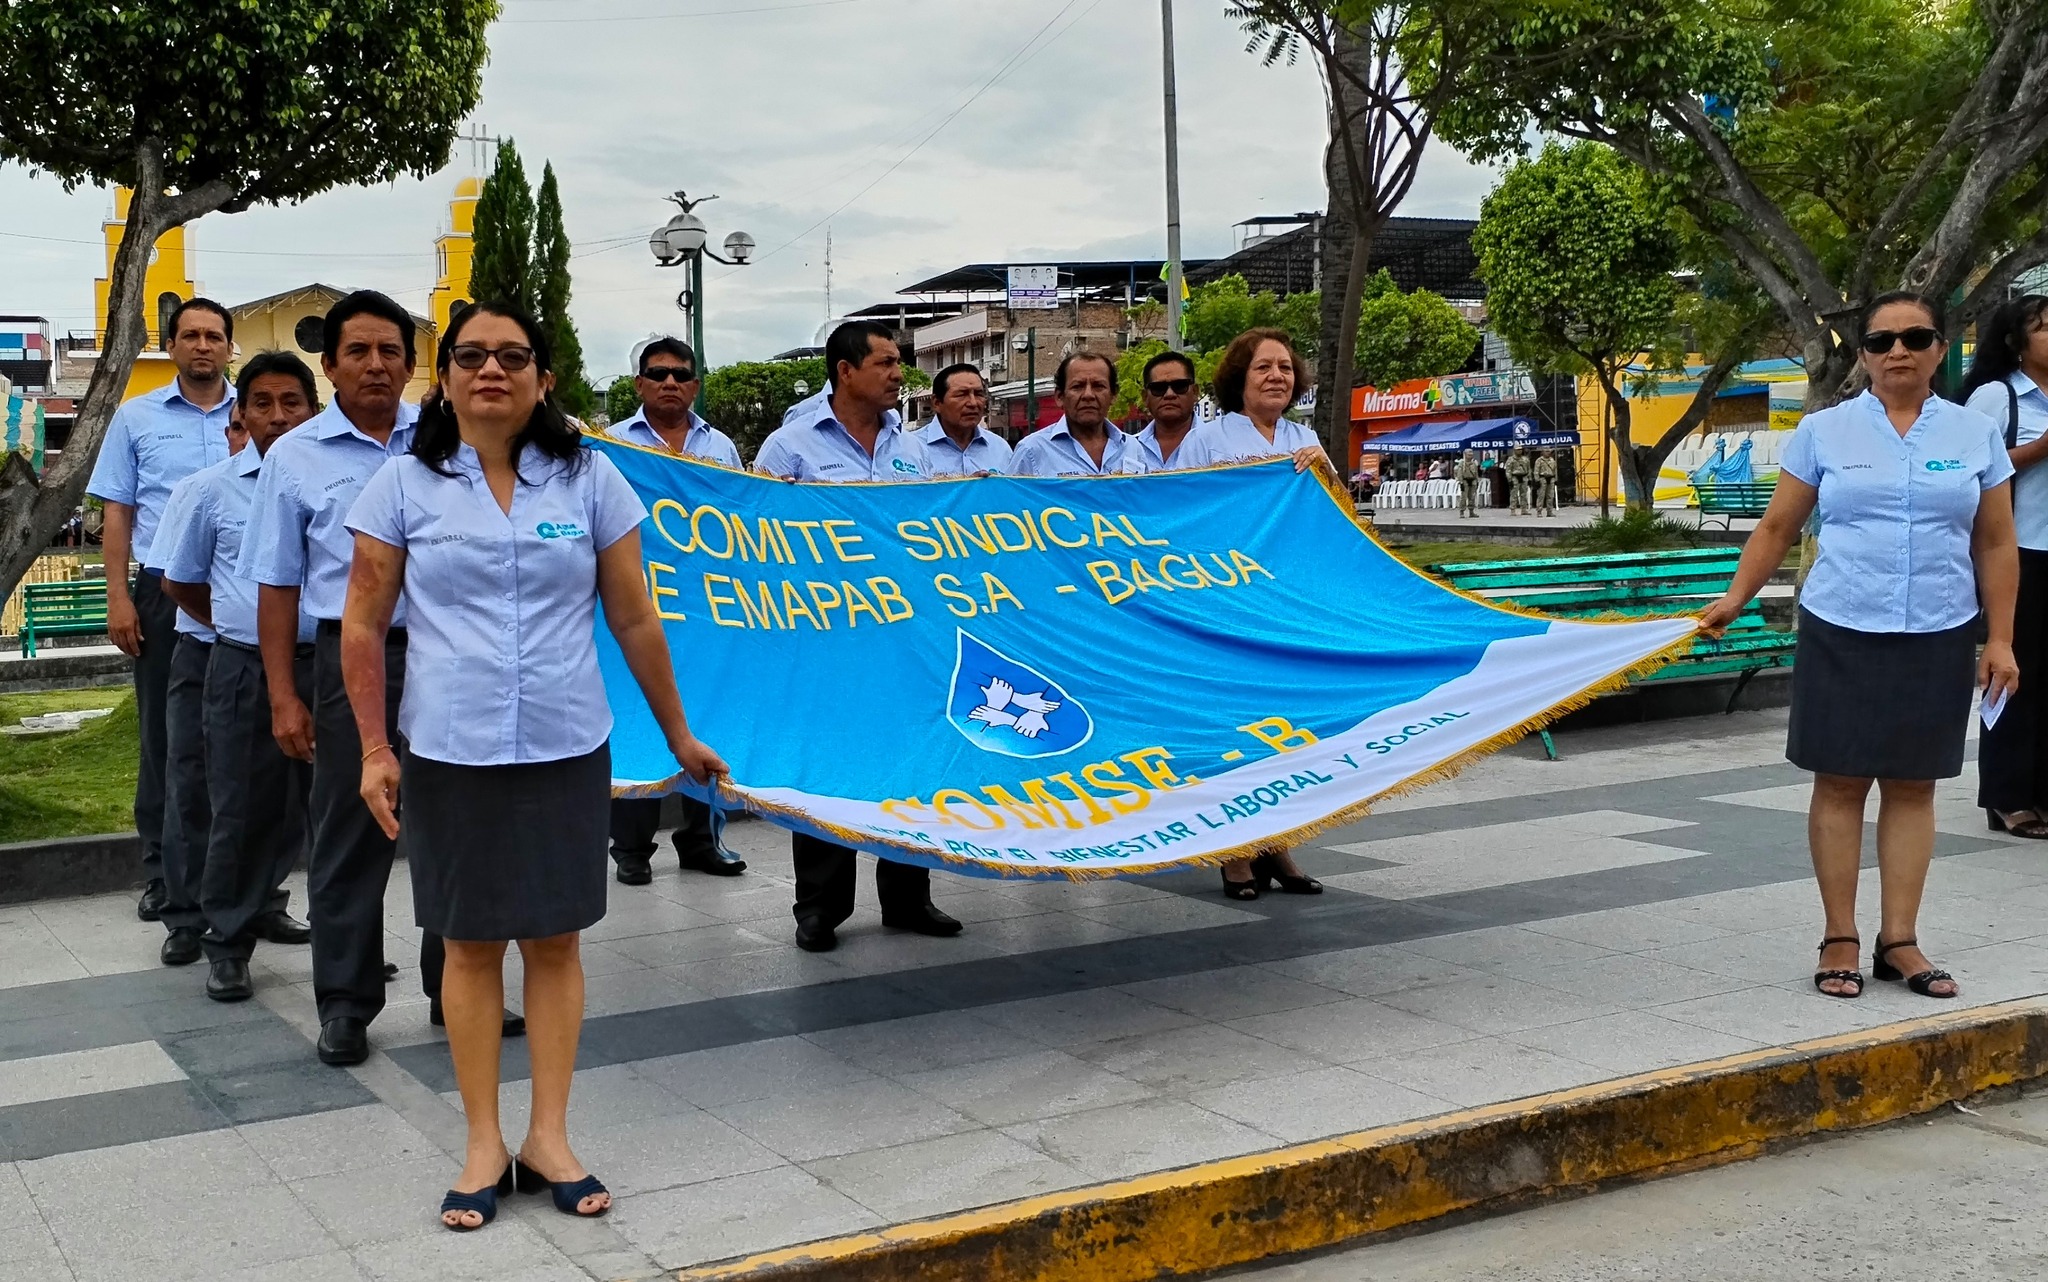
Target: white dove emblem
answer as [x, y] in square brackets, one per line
[998, 697]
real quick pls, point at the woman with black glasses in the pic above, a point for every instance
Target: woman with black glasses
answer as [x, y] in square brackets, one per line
[2008, 384]
[1915, 504]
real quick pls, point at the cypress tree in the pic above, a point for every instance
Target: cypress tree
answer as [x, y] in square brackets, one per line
[502, 266]
[551, 262]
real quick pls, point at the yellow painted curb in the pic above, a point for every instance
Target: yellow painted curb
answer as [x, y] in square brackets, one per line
[1312, 1195]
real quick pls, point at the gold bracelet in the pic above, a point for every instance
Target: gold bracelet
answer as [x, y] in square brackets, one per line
[374, 751]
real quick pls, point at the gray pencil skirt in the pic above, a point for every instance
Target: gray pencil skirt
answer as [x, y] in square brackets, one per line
[1881, 705]
[506, 852]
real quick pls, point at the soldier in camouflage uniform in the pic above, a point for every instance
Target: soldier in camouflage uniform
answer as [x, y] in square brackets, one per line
[1546, 484]
[1517, 469]
[1468, 484]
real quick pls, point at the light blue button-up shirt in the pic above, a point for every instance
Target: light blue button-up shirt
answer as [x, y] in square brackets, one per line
[178, 513]
[501, 651]
[987, 452]
[817, 447]
[1053, 451]
[1191, 452]
[203, 544]
[155, 441]
[1995, 401]
[1234, 438]
[701, 441]
[298, 533]
[1896, 513]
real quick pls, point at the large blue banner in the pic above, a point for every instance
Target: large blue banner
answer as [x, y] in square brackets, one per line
[1074, 676]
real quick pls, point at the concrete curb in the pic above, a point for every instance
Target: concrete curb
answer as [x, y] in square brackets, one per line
[65, 866]
[1218, 1214]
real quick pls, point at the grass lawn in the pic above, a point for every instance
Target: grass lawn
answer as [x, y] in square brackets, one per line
[68, 785]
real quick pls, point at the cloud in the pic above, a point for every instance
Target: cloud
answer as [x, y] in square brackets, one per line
[835, 112]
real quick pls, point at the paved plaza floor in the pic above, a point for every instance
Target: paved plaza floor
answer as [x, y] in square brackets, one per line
[1529, 926]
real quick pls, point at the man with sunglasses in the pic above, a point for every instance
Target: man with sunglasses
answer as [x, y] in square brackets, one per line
[955, 442]
[667, 383]
[1172, 439]
[299, 553]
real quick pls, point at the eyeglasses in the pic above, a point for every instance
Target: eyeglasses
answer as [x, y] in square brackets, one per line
[667, 373]
[510, 359]
[1171, 387]
[1917, 339]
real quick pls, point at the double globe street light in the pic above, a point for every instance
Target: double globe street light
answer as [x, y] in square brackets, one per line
[684, 240]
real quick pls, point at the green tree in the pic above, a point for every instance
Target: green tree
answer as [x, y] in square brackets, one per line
[212, 105]
[551, 262]
[1831, 150]
[1408, 335]
[748, 398]
[621, 399]
[1219, 311]
[502, 263]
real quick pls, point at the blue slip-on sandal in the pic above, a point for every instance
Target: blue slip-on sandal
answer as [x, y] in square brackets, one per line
[484, 1202]
[567, 1195]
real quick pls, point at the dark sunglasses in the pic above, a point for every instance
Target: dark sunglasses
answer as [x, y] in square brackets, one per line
[664, 373]
[510, 359]
[1171, 387]
[1917, 339]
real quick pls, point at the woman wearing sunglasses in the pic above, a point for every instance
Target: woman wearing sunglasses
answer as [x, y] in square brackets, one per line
[504, 531]
[1914, 502]
[2008, 384]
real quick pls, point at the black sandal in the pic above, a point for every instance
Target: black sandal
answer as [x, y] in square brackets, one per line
[1922, 983]
[1266, 869]
[1839, 976]
[1246, 889]
[2035, 829]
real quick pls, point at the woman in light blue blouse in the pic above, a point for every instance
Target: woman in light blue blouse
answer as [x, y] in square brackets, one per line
[504, 532]
[1916, 540]
[2008, 384]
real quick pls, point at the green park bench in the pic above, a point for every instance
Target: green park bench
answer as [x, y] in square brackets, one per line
[1638, 583]
[1726, 501]
[77, 608]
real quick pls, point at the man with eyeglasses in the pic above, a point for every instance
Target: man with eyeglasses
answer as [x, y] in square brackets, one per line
[1171, 441]
[298, 551]
[955, 442]
[1082, 442]
[667, 383]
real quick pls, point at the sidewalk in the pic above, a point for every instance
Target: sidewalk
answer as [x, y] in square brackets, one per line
[1527, 927]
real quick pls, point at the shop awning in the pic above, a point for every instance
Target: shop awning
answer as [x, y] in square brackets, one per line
[1453, 435]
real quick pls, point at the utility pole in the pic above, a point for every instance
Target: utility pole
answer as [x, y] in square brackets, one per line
[1031, 377]
[828, 273]
[1173, 268]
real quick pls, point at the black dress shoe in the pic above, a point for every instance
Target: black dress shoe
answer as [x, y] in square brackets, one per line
[181, 946]
[151, 906]
[634, 870]
[514, 1025]
[344, 1040]
[228, 981]
[711, 860]
[390, 972]
[814, 936]
[925, 921]
[279, 927]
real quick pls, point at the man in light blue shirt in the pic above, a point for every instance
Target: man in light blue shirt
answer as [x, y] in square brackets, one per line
[153, 442]
[1173, 439]
[667, 382]
[298, 550]
[955, 442]
[257, 793]
[1083, 442]
[856, 435]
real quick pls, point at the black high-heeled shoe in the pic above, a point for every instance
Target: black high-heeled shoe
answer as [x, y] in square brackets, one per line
[1246, 889]
[1266, 869]
[1922, 983]
[484, 1202]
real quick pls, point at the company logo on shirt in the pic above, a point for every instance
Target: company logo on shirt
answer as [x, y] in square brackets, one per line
[560, 530]
[903, 465]
[1945, 465]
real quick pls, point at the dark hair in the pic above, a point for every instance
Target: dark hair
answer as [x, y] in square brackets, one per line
[437, 437]
[2001, 337]
[1059, 376]
[227, 322]
[675, 347]
[368, 302]
[1236, 364]
[263, 363]
[1935, 312]
[945, 376]
[853, 343]
[1168, 358]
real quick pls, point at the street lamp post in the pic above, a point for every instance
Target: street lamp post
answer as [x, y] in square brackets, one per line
[683, 241]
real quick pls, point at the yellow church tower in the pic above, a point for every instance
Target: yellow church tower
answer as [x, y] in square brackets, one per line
[453, 250]
[168, 283]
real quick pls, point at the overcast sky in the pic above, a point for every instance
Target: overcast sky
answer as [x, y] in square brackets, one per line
[926, 133]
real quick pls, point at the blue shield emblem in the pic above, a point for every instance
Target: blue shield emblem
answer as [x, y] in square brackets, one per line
[1004, 706]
